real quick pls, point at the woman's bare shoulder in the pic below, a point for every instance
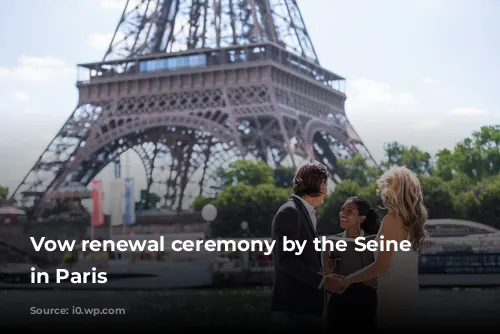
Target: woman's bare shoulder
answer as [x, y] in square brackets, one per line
[393, 222]
[393, 218]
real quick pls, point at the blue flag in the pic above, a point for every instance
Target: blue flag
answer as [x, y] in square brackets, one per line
[129, 201]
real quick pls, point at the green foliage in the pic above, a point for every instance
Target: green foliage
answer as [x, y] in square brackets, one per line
[438, 197]
[488, 196]
[467, 205]
[462, 183]
[200, 202]
[69, 258]
[253, 204]
[283, 177]
[357, 170]
[415, 159]
[4, 192]
[477, 157]
[250, 191]
[247, 172]
[147, 200]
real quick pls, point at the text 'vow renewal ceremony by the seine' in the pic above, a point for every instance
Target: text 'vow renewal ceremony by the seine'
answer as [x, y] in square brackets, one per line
[250, 165]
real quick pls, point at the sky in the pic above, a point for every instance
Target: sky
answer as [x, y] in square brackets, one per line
[420, 72]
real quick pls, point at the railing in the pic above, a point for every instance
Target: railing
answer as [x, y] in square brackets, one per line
[87, 73]
[461, 255]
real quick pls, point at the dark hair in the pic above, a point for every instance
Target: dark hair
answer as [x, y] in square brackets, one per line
[371, 224]
[309, 178]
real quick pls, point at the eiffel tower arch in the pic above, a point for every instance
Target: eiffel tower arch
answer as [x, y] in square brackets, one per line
[195, 85]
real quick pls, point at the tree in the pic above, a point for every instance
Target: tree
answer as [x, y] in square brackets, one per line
[446, 165]
[467, 205]
[250, 173]
[481, 204]
[477, 157]
[4, 192]
[370, 194]
[283, 177]
[464, 183]
[201, 201]
[357, 170]
[415, 159]
[468, 159]
[147, 200]
[246, 172]
[488, 212]
[460, 182]
[487, 140]
[438, 197]
[250, 193]
[242, 202]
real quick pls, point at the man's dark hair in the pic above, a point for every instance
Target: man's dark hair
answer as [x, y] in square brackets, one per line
[309, 178]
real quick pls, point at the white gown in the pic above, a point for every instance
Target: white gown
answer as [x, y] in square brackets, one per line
[398, 289]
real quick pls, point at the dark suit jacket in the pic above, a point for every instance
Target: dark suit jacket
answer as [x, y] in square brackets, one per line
[296, 277]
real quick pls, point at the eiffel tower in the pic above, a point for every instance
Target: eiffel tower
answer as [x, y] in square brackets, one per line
[193, 85]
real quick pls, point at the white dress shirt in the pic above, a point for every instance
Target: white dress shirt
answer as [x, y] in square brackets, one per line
[312, 215]
[310, 210]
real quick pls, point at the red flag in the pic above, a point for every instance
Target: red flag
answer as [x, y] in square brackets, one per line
[97, 207]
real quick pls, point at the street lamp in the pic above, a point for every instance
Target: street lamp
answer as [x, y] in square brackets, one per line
[244, 225]
[246, 255]
[209, 212]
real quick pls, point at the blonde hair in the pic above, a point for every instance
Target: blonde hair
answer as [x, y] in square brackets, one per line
[402, 194]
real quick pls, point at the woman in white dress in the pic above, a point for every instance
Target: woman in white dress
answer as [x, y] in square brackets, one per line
[397, 271]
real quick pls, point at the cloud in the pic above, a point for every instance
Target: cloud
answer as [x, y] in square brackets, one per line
[405, 99]
[427, 124]
[432, 4]
[117, 4]
[29, 111]
[381, 113]
[365, 92]
[112, 4]
[37, 69]
[21, 96]
[430, 81]
[466, 112]
[100, 41]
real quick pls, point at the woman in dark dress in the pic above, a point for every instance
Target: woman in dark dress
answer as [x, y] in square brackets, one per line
[356, 307]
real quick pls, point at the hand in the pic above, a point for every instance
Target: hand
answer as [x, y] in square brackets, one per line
[333, 284]
[335, 276]
[344, 284]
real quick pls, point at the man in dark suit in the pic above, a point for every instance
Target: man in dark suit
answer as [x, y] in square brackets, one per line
[298, 299]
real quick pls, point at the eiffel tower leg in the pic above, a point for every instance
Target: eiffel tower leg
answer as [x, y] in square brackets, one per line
[318, 127]
[329, 142]
[186, 161]
[52, 163]
[175, 161]
[148, 153]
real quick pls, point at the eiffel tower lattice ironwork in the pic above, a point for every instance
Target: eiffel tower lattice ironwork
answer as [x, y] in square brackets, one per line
[193, 85]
